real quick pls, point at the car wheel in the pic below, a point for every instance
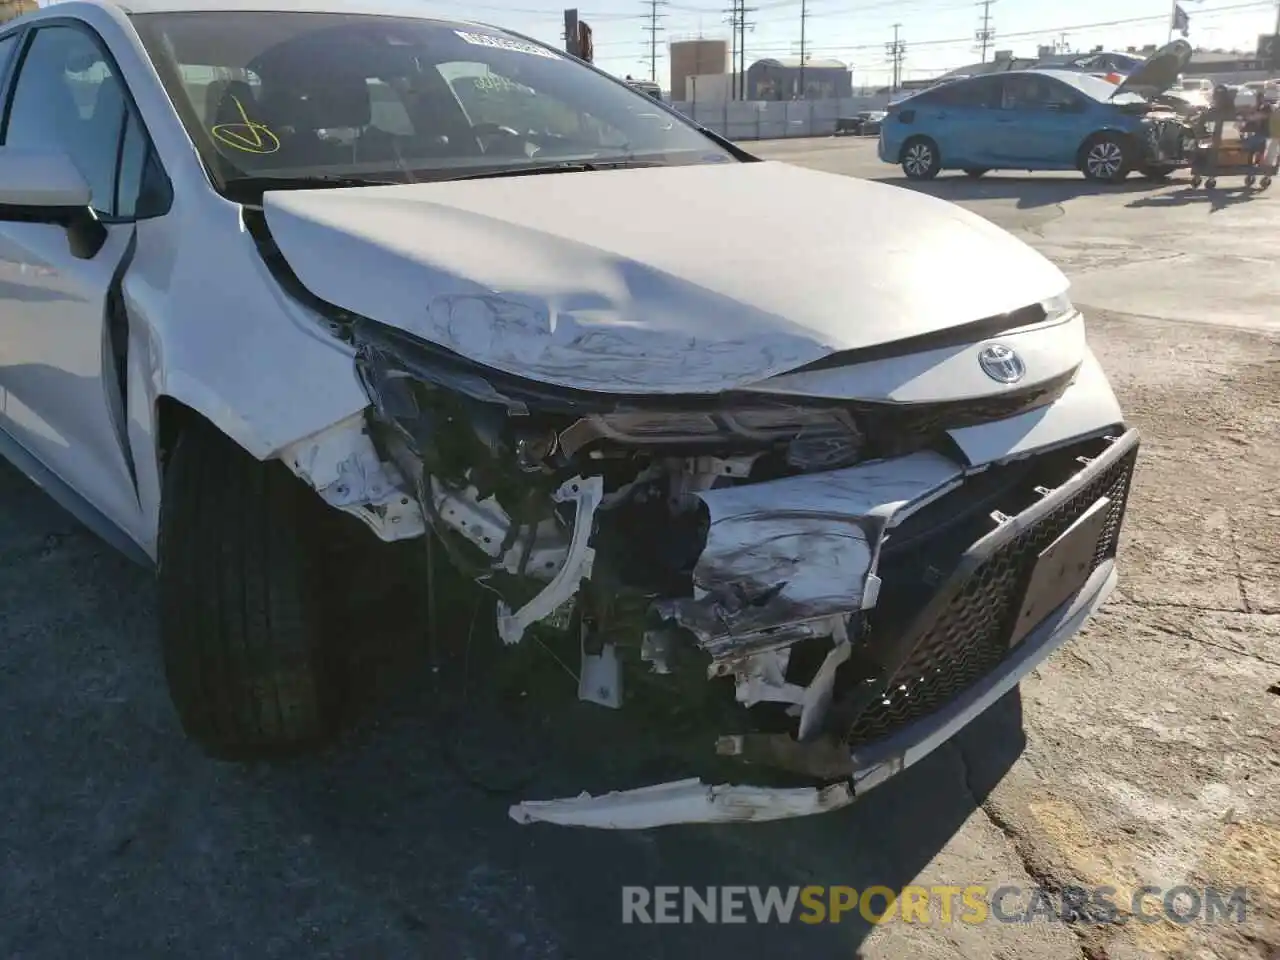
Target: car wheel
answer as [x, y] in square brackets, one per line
[1157, 174]
[1105, 158]
[975, 172]
[920, 160]
[248, 670]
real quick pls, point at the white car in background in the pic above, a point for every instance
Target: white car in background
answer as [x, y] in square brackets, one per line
[278, 278]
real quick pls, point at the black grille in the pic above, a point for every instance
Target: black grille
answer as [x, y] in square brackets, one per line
[931, 419]
[969, 638]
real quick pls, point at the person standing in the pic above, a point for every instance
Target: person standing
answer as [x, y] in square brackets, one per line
[1271, 156]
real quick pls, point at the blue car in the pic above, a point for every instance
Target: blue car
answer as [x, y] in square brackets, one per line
[1042, 120]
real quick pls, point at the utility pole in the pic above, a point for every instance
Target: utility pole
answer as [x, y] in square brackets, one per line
[571, 32]
[985, 33]
[897, 54]
[738, 24]
[653, 28]
[804, 49]
[732, 19]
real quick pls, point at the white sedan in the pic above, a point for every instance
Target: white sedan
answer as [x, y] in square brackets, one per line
[271, 268]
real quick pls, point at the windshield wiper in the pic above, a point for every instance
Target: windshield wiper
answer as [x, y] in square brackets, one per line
[566, 166]
[258, 185]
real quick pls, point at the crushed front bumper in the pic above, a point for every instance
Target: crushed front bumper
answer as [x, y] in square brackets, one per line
[1164, 144]
[1000, 613]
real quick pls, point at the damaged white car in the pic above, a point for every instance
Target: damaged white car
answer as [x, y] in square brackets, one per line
[258, 258]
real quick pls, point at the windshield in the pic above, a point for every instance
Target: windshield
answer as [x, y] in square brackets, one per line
[1100, 89]
[337, 98]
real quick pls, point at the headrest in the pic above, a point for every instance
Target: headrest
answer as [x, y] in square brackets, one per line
[320, 102]
[220, 101]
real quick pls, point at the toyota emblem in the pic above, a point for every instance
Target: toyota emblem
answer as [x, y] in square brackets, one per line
[1001, 364]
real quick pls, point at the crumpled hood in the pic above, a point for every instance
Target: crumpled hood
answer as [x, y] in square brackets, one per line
[1159, 72]
[688, 279]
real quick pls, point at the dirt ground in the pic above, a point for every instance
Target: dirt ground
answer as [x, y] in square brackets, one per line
[1145, 752]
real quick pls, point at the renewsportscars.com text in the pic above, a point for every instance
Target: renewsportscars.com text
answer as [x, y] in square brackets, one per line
[973, 904]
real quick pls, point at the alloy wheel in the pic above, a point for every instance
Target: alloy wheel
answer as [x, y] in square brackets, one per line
[918, 160]
[1105, 160]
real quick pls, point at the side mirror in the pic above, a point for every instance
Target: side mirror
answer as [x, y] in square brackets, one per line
[41, 186]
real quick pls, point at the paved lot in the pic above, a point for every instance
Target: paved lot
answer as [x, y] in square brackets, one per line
[1147, 752]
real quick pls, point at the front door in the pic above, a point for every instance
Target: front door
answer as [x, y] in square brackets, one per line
[964, 114]
[1038, 117]
[58, 357]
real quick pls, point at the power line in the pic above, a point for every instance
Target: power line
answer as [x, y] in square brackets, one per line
[1066, 28]
[653, 28]
[897, 54]
[1052, 31]
[986, 33]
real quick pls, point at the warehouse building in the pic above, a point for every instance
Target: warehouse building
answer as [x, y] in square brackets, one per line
[788, 79]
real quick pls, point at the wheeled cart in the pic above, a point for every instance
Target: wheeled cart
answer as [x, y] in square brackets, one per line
[1212, 156]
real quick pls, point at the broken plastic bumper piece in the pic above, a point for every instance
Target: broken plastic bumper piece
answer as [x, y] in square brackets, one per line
[1067, 537]
[691, 801]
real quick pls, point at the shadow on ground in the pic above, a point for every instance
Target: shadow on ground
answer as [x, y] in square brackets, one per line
[420, 801]
[119, 839]
[1219, 198]
[1029, 192]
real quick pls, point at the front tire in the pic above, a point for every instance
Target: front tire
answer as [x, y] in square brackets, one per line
[920, 159]
[1106, 158]
[248, 670]
[973, 173]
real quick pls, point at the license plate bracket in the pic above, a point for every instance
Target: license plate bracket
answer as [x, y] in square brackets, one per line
[1061, 569]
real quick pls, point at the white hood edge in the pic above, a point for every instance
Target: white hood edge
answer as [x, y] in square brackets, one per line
[692, 279]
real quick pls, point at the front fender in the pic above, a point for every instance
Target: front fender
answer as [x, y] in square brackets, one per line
[210, 328]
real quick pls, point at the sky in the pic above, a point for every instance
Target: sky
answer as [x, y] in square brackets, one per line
[938, 34]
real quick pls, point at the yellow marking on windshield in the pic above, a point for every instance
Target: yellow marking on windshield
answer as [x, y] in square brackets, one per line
[247, 137]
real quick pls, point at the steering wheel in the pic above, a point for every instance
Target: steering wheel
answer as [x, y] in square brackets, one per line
[509, 138]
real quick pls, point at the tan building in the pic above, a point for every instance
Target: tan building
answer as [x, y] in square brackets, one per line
[692, 58]
[16, 8]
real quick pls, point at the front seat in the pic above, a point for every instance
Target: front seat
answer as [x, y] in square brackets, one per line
[224, 99]
[304, 106]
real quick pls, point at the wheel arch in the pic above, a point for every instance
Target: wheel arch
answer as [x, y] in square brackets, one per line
[912, 138]
[1118, 133]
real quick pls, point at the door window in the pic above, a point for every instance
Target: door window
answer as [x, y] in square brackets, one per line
[68, 98]
[1030, 92]
[7, 46]
[965, 93]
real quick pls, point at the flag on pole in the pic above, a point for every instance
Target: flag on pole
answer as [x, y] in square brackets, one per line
[1181, 22]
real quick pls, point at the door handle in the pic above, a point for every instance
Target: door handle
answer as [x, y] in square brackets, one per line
[1004, 120]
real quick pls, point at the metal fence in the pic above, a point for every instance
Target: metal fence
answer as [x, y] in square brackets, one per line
[773, 119]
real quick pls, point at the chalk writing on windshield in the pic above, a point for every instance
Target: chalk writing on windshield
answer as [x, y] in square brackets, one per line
[247, 136]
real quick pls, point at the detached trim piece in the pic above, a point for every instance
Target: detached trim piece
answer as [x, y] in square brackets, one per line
[683, 801]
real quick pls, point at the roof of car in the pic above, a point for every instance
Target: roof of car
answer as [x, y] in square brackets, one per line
[384, 8]
[1067, 76]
